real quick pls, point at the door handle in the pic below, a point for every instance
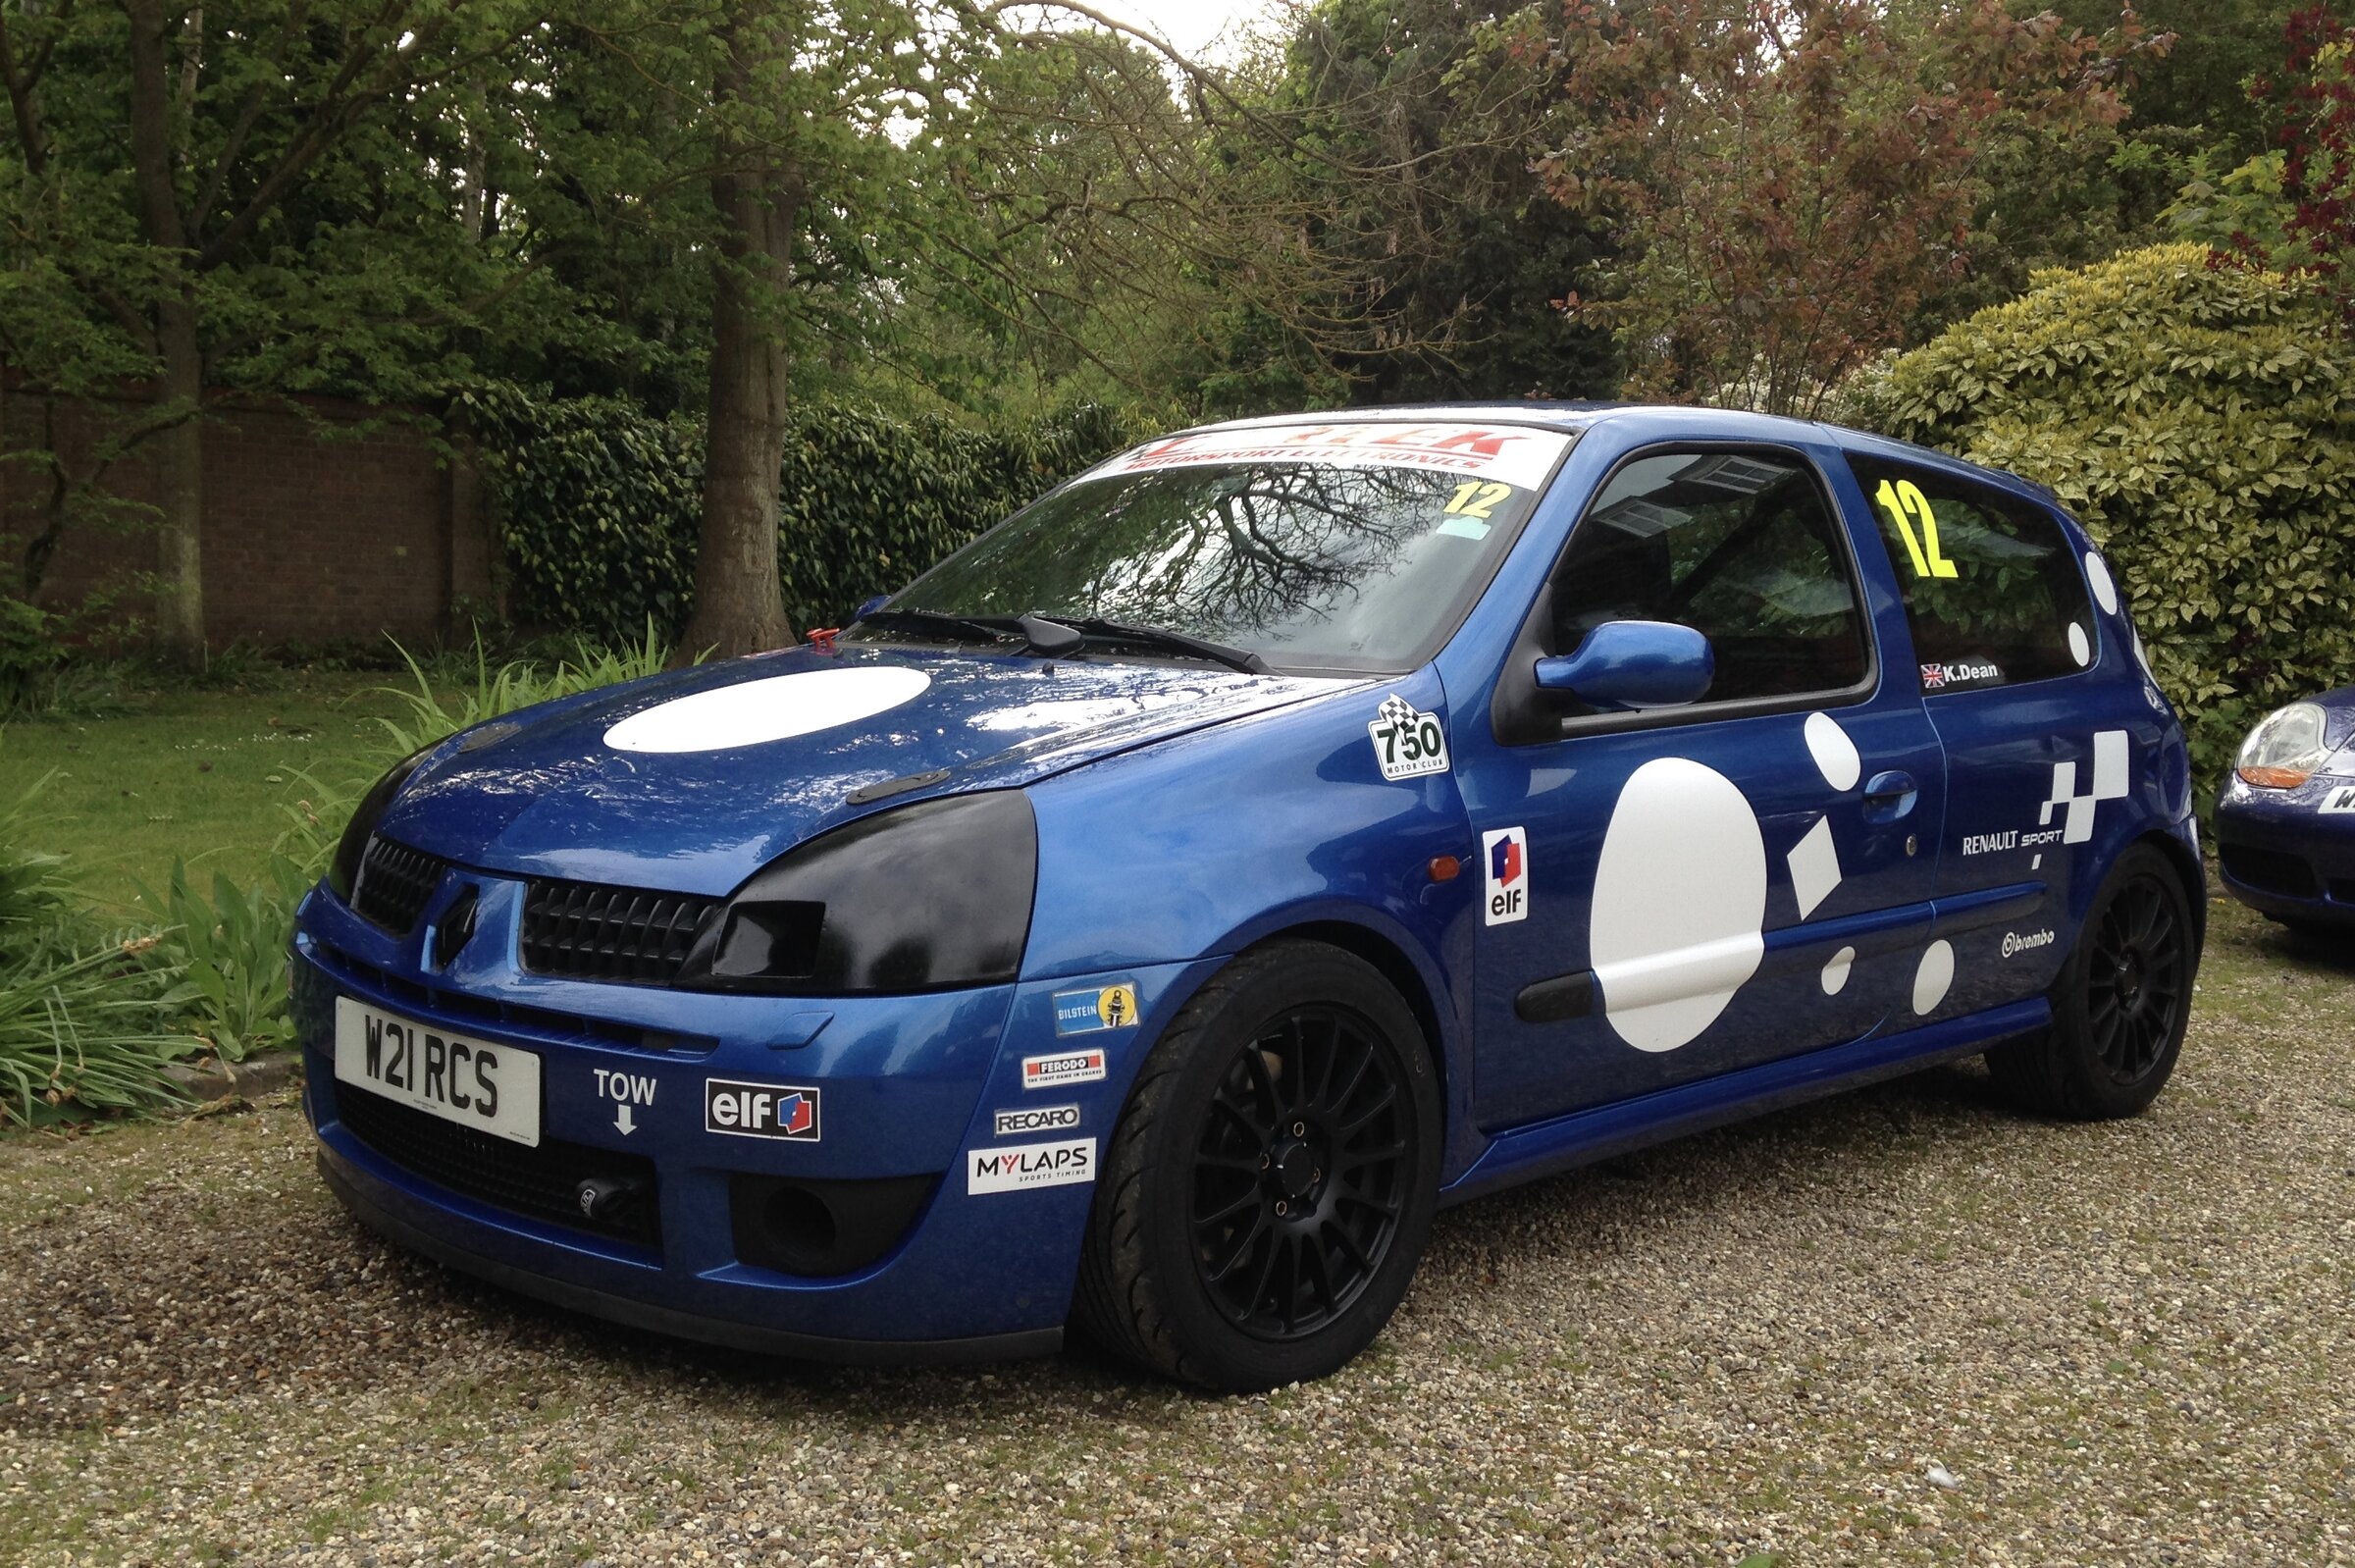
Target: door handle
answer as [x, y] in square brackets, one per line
[1890, 795]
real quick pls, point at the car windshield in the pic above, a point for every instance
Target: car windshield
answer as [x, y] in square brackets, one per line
[1336, 546]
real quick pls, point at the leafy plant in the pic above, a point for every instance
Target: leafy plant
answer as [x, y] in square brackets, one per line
[230, 953]
[29, 654]
[2196, 418]
[87, 1024]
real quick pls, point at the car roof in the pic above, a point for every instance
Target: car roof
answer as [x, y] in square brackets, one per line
[1673, 419]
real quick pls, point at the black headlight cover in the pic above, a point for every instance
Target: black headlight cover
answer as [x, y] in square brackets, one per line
[344, 869]
[929, 897]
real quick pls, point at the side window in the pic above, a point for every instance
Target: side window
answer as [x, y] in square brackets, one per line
[1991, 588]
[1742, 548]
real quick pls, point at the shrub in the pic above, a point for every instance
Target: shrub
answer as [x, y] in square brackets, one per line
[599, 502]
[29, 654]
[2201, 420]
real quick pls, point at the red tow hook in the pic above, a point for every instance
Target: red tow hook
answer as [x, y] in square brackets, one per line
[822, 638]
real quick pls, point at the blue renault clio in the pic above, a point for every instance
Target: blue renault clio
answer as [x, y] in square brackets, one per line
[1146, 918]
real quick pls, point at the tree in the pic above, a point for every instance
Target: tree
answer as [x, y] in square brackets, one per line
[1793, 178]
[243, 193]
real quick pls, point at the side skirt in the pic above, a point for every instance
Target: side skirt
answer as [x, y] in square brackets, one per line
[1602, 1131]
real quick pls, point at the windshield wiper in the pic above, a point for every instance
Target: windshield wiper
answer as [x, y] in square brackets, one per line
[1098, 629]
[957, 628]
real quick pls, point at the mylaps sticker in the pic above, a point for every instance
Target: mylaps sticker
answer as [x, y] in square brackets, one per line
[1070, 1067]
[1013, 1168]
[1107, 1006]
[1505, 854]
[1407, 742]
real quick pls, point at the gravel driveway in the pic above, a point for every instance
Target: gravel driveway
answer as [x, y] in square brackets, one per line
[2123, 1344]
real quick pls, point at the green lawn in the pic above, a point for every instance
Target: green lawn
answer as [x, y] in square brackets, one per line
[204, 775]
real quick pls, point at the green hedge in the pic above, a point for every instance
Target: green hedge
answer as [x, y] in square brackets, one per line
[2201, 420]
[598, 503]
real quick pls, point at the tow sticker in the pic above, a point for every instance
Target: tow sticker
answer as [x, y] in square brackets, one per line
[1407, 742]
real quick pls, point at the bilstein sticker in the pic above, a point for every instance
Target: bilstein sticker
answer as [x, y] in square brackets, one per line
[1104, 1007]
[1034, 1119]
[1069, 1067]
[1030, 1164]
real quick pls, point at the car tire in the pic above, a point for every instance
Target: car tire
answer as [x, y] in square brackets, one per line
[2121, 1003]
[1269, 1189]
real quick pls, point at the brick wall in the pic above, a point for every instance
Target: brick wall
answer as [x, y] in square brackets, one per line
[319, 525]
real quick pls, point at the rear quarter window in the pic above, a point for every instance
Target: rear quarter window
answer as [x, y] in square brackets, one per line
[1991, 586]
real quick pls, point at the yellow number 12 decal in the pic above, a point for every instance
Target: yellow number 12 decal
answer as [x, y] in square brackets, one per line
[1475, 499]
[1905, 496]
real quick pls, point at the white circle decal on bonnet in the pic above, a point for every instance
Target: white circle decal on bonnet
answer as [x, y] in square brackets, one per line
[1680, 900]
[1936, 973]
[779, 707]
[1835, 753]
[2105, 590]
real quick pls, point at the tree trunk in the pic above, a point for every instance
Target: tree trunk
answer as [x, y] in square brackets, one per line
[739, 607]
[180, 387]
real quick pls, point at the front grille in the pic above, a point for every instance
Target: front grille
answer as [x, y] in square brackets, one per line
[2268, 871]
[586, 932]
[394, 884]
[543, 1183]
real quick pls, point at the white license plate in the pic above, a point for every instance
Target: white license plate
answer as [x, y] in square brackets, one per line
[493, 1089]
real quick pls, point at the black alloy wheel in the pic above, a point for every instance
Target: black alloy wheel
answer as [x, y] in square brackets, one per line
[1267, 1192]
[2137, 982]
[2121, 1002]
[1300, 1173]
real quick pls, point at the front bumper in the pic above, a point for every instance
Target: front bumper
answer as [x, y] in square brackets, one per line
[2283, 854]
[910, 1087]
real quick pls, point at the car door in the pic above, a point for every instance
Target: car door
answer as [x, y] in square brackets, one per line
[1677, 892]
[2041, 717]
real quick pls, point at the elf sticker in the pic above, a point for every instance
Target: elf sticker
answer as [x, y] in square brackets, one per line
[1407, 744]
[1506, 855]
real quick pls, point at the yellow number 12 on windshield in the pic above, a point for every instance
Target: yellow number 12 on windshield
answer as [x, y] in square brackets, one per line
[1898, 501]
[1475, 499]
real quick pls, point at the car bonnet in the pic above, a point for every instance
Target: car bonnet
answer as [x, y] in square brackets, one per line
[691, 781]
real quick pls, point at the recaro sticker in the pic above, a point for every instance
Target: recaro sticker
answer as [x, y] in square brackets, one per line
[1505, 854]
[1034, 1119]
[1098, 1007]
[1407, 742]
[1030, 1164]
[1070, 1067]
[760, 1110]
[2341, 799]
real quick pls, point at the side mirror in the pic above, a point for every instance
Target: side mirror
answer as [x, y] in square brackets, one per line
[868, 607]
[1621, 665]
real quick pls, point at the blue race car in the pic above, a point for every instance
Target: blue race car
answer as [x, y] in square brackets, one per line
[1147, 918]
[2285, 822]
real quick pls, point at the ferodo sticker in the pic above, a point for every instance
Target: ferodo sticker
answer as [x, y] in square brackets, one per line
[760, 1110]
[1407, 742]
[2341, 799]
[1503, 455]
[1030, 1164]
[1101, 1006]
[1034, 1119]
[1069, 1067]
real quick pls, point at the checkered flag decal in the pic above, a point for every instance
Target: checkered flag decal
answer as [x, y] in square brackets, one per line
[1395, 711]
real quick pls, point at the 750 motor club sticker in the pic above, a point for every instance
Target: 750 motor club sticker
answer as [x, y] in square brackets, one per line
[1407, 742]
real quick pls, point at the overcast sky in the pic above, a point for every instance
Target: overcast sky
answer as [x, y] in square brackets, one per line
[1192, 25]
